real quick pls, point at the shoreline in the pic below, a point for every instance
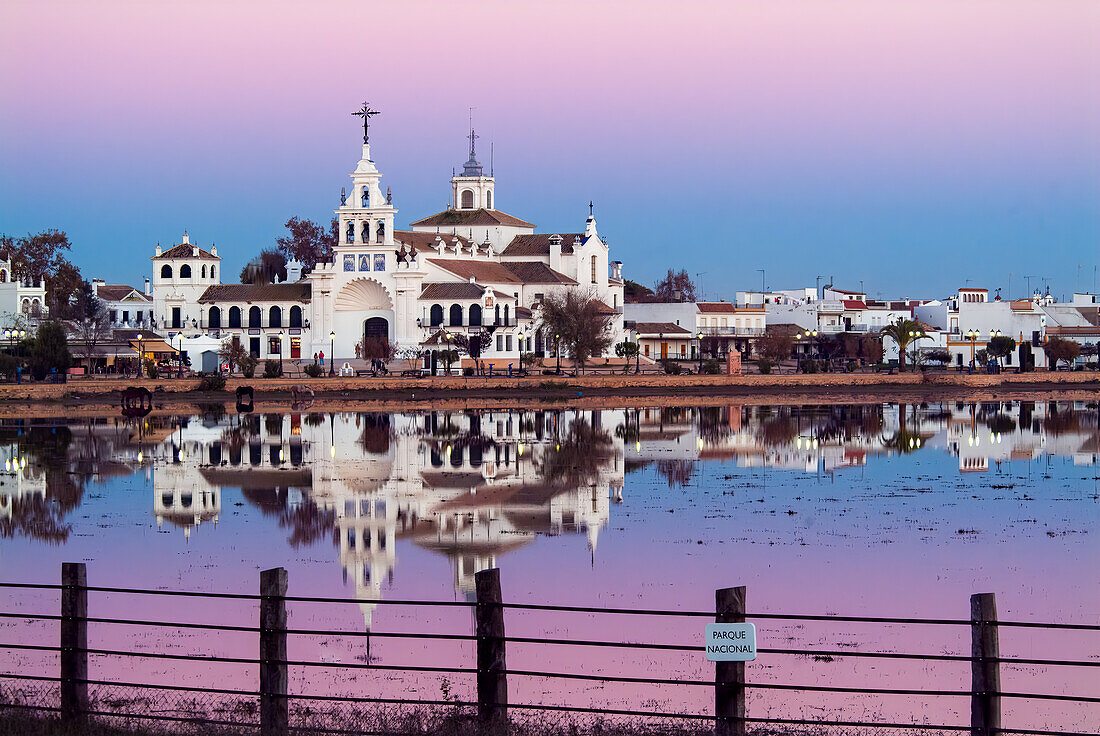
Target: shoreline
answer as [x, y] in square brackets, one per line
[101, 397]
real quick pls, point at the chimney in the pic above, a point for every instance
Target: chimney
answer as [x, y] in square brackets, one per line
[555, 252]
[186, 238]
[148, 290]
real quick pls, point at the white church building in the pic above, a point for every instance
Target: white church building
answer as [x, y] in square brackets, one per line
[470, 268]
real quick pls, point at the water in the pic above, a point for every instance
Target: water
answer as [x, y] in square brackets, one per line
[873, 510]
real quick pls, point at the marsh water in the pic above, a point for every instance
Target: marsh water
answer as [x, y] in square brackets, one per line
[873, 509]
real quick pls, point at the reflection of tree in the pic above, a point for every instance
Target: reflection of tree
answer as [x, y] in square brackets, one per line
[576, 458]
[1059, 422]
[376, 433]
[778, 430]
[904, 440]
[309, 524]
[677, 472]
[46, 449]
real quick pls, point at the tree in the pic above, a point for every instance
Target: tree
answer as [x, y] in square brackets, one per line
[308, 242]
[940, 356]
[49, 350]
[90, 324]
[377, 348]
[675, 287]
[870, 349]
[775, 345]
[1000, 346]
[264, 268]
[474, 345]
[1058, 349]
[903, 332]
[635, 292]
[626, 349]
[581, 321]
[232, 352]
[35, 257]
[448, 358]
[63, 289]
[411, 355]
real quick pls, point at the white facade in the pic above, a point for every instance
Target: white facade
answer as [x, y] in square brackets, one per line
[22, 303]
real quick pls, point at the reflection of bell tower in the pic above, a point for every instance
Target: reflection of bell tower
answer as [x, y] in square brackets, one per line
[472, 190]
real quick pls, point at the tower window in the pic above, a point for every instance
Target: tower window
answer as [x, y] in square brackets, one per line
[489, 200]
[366, 196]
[436, 315]
[381, 232]
[467, 199]
[166, 271]
[349, 235]
[185, 271]
[593, 268]
[204, 271]
[366, 232]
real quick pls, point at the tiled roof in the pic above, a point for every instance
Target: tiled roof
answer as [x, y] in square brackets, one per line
[296, 292]
[483, 271]
[539, 244]
[425, 241]
[456, 290]
[716, 307]
[844, 291]
[660, 328]
[186, 250]
[523, 313]
[603, 308]
[854, 304]
[118, 292]
[480, 217]
[536, 272]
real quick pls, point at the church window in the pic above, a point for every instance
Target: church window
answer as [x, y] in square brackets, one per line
[275, 317]
[234, 316]
[506, 318]
[489, 200]
[350, 233]
[508, 343]
[381, 232]
[295, 316]
[593, 269]
[496, 320]
[475, 315]
[185, 271]
[26, 307]
[212, 271]
[166, 271]
[467, 199]
[215, 320]
[254, 315]
[366, 196]
[436, 315]
[3, 277]
[456, 315]
[204, 271]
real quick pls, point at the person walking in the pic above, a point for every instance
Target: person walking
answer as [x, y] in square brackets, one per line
[321, 357]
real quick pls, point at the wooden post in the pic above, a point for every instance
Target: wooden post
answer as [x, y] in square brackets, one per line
[985, 669]
[492, 678]
[74, 641]
[729, 677]
[274, 711]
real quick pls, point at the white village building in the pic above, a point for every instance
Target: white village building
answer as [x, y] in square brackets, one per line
[470, 268]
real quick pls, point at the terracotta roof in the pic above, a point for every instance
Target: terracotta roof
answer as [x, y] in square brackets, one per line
[455, 290]
[118, 292]
[483, 271]
[186, 250]
[844, 291]
[425, 241]
[716, 307]
[296, 292]
[854, 304]
[604, 308]
[480, 217]
[539, 244]
[438, 338]
[523, 313]
[969, 289]
[536, 272]
[658, 328]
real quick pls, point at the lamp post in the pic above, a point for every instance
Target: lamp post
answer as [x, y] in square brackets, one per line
[637, 352]
[972, 336]
[557, 351]
[181, 353]
[700, 352]
[521, 350]
[332, 353]
[141, 353]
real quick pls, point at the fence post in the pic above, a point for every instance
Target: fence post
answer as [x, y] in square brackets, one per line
[74, 641]
[729, 677]
[492, 677]
[985, 667]
[274, 712]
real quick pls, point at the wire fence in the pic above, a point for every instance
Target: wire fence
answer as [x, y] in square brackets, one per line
[273, 708]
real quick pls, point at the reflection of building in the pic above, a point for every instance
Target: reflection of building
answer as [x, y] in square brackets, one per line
[21, 482]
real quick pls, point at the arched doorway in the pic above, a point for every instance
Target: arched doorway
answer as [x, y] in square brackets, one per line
[377, 328]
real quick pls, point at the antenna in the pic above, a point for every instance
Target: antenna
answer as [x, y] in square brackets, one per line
[490, 159]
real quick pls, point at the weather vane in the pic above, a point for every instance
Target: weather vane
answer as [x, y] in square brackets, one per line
[366, 113]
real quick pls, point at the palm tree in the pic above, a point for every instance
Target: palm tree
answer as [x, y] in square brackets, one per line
[904, 332]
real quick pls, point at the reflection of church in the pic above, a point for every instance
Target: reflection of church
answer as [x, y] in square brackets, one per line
[471, 268]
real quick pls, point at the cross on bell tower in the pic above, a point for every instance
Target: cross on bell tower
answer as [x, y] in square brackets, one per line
[366, 113]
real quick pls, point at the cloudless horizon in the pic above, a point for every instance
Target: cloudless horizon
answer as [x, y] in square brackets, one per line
[913, 147]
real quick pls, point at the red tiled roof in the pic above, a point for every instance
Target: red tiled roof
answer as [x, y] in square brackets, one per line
[186, 250]
[536, 272]
[118, 292]
[844, 291]
[854, 304]
[483, 271]
[296, 292]
[481, 217]
[716, 307]
[456, 290]
[660, 328]
[538, 244]
[425, 241]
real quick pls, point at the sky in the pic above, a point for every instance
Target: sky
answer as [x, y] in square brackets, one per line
[905, 148]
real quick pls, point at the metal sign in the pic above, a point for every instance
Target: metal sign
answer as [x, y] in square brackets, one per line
[731, 642]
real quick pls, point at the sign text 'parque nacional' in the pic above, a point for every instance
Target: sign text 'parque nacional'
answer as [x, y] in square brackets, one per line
[731, 642]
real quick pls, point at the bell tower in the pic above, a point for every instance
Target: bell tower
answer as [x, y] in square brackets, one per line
[366, 214]
[472, 190]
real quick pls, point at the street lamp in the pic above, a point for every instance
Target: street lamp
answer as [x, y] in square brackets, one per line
[141, 353]
[972, 336]
[637, 352]
[700, 352]
[181, 354]
[332, 353]
[557, 351]
[521, 351]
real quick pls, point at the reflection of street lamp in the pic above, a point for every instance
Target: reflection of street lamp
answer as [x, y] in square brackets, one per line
[141, 353]
[332, 353]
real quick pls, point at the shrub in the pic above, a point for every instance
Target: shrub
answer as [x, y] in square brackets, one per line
[671, 367]
[764, 365]
[809, 366]
[711, 367]
[152, 370]
[313, 370]
[212, 382]
[850, 366]
[8, 365]
[248, 366]
[273, 368]
[469, 370]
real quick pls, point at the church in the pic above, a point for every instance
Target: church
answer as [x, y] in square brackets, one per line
[470, 268]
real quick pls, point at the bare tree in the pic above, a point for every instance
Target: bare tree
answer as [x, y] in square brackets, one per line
[676, 287]
[580, 320]
[232, 352]
[473, 345]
